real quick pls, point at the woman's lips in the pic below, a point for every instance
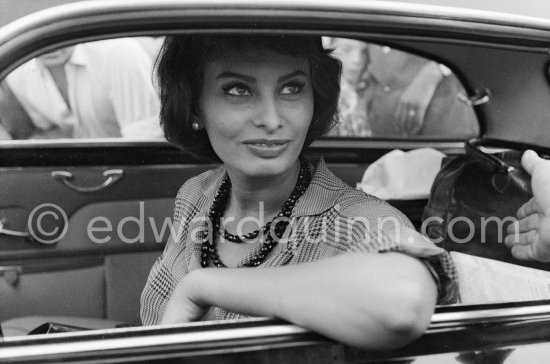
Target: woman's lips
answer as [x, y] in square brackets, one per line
[267, 148]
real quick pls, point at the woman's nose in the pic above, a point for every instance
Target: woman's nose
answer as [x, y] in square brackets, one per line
[269, 114]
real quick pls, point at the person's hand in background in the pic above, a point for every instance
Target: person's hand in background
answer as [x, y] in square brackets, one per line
[529, 239]
[414, 102]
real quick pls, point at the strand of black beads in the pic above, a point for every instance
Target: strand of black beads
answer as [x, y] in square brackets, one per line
[209, 251]
[241, 239]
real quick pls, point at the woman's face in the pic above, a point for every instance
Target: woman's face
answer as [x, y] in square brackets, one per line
[256, 108]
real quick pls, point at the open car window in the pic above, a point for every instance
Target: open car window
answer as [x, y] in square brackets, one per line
[92, 90]
[105, 89]
[389, 93]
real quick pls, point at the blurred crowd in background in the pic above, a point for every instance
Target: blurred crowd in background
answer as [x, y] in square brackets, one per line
[105, 89]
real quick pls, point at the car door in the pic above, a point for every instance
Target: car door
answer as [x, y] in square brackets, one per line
[90, 215]
[84, 218]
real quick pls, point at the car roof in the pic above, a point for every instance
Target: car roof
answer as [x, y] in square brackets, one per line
[534, 8]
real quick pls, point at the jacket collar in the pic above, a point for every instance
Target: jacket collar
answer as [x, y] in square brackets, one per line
[79, 56]
[321, 195]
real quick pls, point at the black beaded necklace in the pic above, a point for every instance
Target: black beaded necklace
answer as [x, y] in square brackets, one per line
[209, 251]
[241, 239]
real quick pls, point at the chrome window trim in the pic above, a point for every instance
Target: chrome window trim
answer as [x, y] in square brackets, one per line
[388, 144]
[214, 337]
[365, 143]
[489, 314]
[181, 340]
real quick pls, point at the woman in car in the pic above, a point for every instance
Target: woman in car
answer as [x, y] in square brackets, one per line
[270, 233]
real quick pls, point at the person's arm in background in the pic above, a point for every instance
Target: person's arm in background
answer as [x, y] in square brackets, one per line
[529, 239]
[13, 117]
[134, 99]
[413, 103]
[31, 104]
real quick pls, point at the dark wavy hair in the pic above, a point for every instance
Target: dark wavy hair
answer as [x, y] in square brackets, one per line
[180, 69]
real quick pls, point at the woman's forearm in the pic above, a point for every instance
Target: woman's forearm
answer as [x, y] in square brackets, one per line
[374, 301]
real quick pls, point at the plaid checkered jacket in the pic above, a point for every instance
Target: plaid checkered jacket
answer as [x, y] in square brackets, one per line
[331, 218]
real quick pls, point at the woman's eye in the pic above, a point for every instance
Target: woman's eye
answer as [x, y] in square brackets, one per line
[236, 90]
[292, 88]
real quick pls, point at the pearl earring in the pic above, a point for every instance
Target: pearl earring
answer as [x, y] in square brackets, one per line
[195, 126]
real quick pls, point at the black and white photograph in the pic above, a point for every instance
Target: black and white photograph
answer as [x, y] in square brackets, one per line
[274, 181]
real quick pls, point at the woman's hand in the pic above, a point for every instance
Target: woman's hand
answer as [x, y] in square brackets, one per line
[185, 305]
[413, 103]
[529, 239]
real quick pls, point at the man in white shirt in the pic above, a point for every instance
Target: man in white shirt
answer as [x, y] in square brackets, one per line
[91, 90]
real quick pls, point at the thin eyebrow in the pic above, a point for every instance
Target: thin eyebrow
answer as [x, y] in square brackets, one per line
[229, 74]
[290, 75]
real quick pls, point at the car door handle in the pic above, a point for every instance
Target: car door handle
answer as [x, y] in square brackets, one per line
[4, 231]
[112, 176]
[479, 98]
